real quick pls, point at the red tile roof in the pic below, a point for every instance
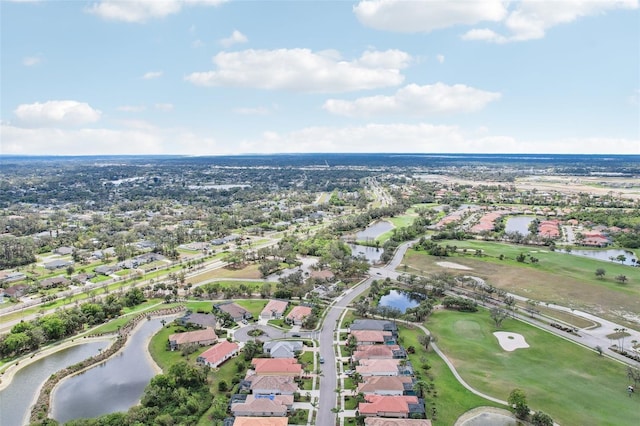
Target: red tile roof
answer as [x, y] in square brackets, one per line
[386, 404]
[276, 366]
[217, 353]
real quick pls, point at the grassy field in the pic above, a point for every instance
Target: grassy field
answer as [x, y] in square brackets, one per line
[573, 385]
[249, 272]
[255, 306]
[449, 397]
[556, 278]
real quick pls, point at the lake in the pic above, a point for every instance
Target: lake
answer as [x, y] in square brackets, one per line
[519, 224]
[603, 255]
[16, 399]
[400, 300]
[372, 254]
[374, 230]
[115, 385]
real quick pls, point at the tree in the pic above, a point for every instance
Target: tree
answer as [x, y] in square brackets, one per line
[518, 402]
[633, 373]
[600, 273]
[621, 258]
[622, 279]
[541, 418]
[498, 315]
[425, 340]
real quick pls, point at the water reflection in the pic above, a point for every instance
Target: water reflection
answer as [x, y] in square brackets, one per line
[115, 385]
[17, 398]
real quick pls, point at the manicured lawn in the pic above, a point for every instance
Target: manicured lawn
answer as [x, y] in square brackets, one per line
[557, 277]
[572, 384]
[280, 323]
[449, 397]
[350, 403]
[255, 306]
[299, 417]
[307, 358]
[200, 306]
[158, 347]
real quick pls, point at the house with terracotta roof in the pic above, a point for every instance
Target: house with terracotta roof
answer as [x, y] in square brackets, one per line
[387, 385]
[298, 314]
[274, 310]
[378, 367]
[261, 421]
[385, 421]
[276, 366]
[389, 406]
[272, 385]
[203, 337]
[371, 337]
[237, 312]
[219, 353]
[260, 406]
[378, 352]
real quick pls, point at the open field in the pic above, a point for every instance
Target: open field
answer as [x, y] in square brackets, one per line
[249, 272]
[572, 384]
[450, 398]
[557, 278]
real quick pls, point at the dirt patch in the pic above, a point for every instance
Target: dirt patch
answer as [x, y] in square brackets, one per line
[452, 265]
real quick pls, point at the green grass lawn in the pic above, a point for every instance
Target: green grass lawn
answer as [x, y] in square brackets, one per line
[280, 323]
[557, 277]
[299, 417]
[350, 403]
[449, 397]
[255, 306]
[572, 384]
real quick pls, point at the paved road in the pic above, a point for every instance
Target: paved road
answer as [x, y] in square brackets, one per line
[329, 381]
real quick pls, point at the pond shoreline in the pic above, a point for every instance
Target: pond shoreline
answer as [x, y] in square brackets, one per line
[42, 407]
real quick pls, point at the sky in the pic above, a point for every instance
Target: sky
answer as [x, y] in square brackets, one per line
[216, 77]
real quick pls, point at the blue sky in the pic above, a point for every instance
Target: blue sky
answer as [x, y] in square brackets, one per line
[209, 77]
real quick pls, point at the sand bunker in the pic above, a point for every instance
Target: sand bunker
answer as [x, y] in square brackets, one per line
[510, 341]
[487, 416]
[453, 266]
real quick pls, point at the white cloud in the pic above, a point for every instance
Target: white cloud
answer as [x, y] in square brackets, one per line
[303, 70]
[235, 38]
[426, 15]
[65, 112]
[137, 138]
[164, 106]
[131, 108]
[416, 100]
[140, 11]
[151, 75]
[530, 19]
[30, 61]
